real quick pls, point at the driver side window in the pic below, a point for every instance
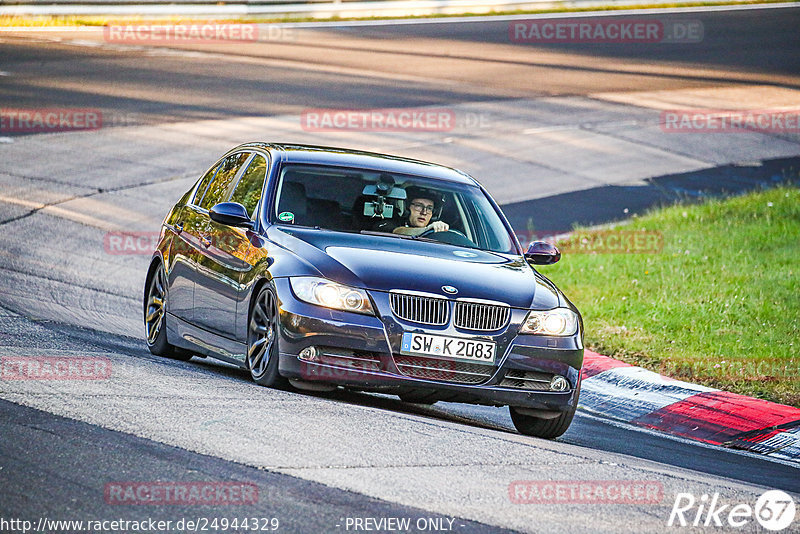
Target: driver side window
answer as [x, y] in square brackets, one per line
[219, 185]
[248, 190]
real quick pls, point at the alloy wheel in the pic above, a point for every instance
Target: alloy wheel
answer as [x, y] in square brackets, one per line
[156, 305]
[262, 331]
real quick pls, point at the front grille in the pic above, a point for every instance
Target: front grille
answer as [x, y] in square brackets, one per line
[443, 370]
[419, 309]
[527, 380]
[478, 316]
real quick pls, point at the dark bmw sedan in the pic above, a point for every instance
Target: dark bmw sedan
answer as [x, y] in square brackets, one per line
[319, 267]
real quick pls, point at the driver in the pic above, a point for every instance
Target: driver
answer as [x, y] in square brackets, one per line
[421, 203]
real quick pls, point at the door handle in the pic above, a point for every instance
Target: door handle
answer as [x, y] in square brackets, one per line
[205, 241]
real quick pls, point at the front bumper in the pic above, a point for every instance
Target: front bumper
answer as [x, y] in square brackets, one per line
[362, 352]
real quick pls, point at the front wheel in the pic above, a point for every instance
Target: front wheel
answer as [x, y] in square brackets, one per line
[547, 428]
[262, 340]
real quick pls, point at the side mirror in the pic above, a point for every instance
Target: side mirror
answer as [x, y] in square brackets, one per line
[542, 253]
[230, 214]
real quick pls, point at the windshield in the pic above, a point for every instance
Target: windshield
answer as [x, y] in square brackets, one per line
[359, 200]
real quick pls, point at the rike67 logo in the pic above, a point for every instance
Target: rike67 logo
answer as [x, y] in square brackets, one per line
[774, 510]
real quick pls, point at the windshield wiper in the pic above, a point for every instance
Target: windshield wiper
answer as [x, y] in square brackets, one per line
[385, 234]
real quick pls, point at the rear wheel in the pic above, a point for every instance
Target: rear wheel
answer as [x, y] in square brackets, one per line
[155, 317]
[262, 339]
[541, 427]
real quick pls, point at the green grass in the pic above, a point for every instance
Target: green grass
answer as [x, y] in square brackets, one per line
[719, 305]
[102, 20]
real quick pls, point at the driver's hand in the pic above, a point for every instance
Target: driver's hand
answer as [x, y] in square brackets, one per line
[438, 226]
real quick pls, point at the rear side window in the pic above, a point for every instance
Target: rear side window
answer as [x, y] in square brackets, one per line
[248, 190]
[201, 188]
[216, 190]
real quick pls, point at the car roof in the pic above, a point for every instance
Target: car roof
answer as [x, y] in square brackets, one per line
[343, 157]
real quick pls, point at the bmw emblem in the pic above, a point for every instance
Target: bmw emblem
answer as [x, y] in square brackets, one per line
[449, 289]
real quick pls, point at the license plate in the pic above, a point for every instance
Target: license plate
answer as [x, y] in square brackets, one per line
[448, 347]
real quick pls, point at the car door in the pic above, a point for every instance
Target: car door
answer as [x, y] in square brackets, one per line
[245, 244]
[183, 255]
[219, 262]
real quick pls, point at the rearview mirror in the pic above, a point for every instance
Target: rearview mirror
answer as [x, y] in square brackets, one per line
[542, 253]
[230, 214]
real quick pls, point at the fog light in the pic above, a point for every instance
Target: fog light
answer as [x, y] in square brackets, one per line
[308, 353]
[559, 383]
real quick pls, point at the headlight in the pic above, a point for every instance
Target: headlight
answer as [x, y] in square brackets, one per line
[326, 293]
[557, 322]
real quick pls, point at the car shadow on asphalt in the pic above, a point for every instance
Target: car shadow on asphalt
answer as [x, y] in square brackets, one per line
[614, 203]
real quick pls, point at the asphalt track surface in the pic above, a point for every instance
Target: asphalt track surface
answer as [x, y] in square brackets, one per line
[318, 459]
[422, 65]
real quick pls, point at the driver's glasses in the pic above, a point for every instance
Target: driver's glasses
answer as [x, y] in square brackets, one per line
[422, 208]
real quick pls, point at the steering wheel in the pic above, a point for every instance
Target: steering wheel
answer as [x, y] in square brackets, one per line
[449, 237]
[426, 233]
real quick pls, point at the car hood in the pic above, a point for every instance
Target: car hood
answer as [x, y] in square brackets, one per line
[384, 263]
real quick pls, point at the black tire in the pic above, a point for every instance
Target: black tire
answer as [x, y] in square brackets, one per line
[155, 317]
[541, 428]
[262, 339]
